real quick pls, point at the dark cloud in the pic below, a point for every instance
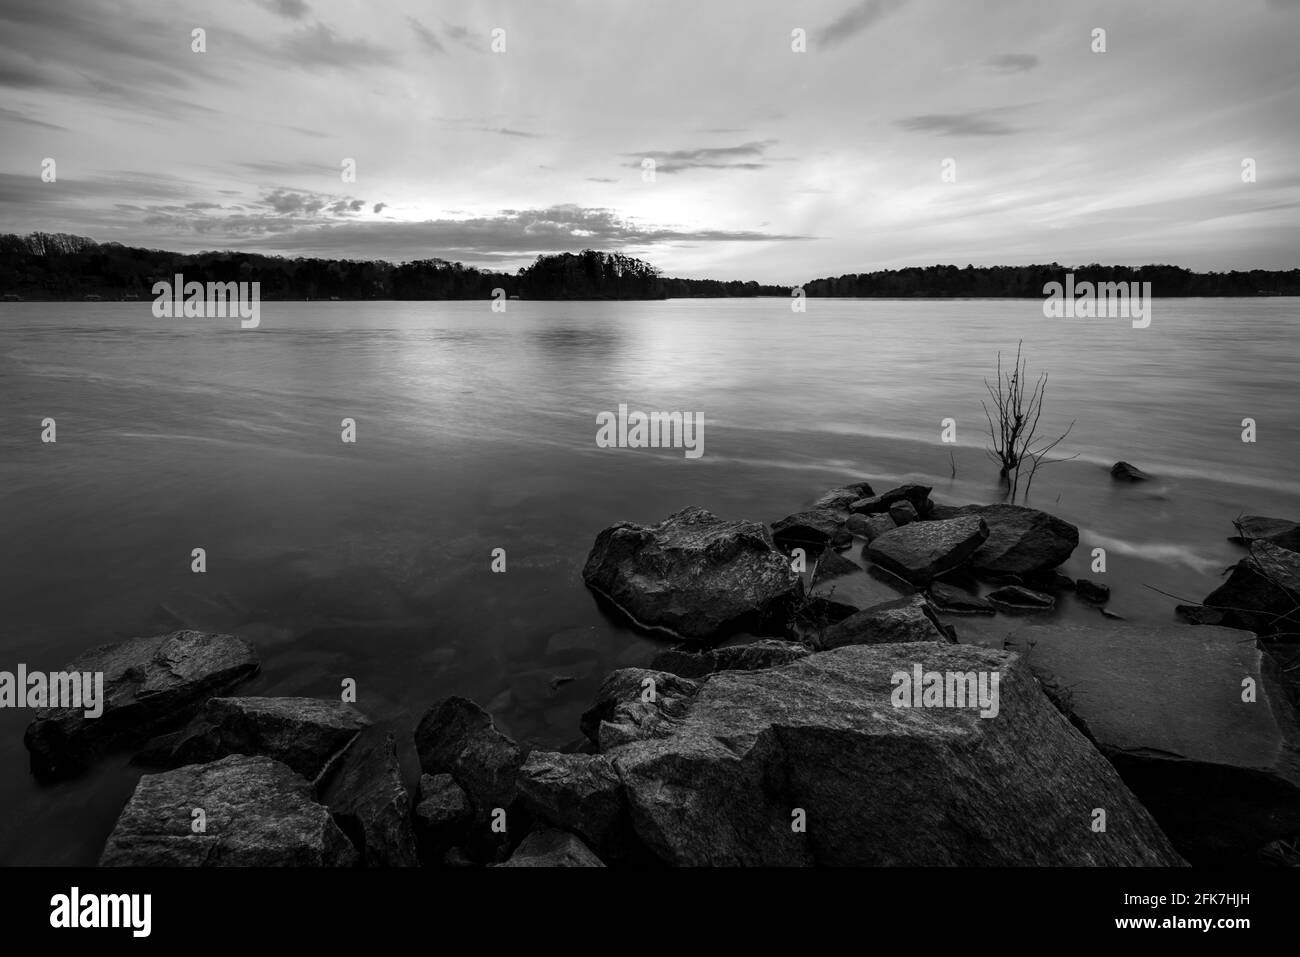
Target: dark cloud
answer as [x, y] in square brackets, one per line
[853, 21]
[1011, 62]
[289, 9]
[744, 156]
[978, 123]
[379, 207]
[426, 36]
[319, 47]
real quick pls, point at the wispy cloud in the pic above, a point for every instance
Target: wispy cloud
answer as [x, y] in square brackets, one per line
[1011, 62]
[976, 123]
[853, 21]
[744, 156]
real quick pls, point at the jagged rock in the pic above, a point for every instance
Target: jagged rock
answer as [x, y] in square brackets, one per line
[841, 498]
[442, 812]
[901, 620]
[814, 528]
[149, 684]
[307, 734]
[766, 653]
[923, 550]
[370, 802]
[257, 812]
[580, 793]
[1092, 592]
[842, 539]
[548, 847]
[1017, 598]
[1125, 472]
[1164, 704]
[957, 601]
[1022, 541]
[879, 784]
[903, 513]
[693, 575]
[634, 703]
[1279, 531]
[1262, 594]
[870, 526]
[459, 738]
[918, 495]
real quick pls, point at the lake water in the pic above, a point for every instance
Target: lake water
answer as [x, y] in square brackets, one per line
[476, 430]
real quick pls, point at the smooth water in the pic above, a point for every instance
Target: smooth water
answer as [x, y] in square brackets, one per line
[476, 431]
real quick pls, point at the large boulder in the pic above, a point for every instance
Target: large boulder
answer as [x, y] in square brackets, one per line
[459, 738]
[370, 802]
[581, 793]
[822, 741]
[922, 551]
[548, 847]
[693, 575]
[1279, 531]
[1022, 541]
[307, 734]
[844, 496]
[255, 812]
[1262, 593]
[767, 653]
[1165, 705]
[901, 620]
[149, 684]
[917, 495]
[815, 528]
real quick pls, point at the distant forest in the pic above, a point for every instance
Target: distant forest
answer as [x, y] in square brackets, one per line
[62, 267]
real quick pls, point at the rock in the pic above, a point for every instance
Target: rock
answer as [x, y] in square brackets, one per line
[842, 539]
[580, 793]
[832, 565]
[870, 526]
[923, 550]
[940, 513]
[457, 857]
[457, 737]
[547, 847]
[1199, 615]
[1022, 541]
[1017, 598]
[1279, 531]
[693, 575]
[957, 601]
[257, 812]
[307, 734]
[901, 620]
[767, 653]
[903, 513]
[1048, 580]
[814, 528]
[879, 784]
[1124, 472]
[1164, 704]
[1092, 592]
[635, 702]
[149, 684]
[370, 802]
[442, 812]
[918, 495]
[1262, 594]
[1107, 613]
[841, 498]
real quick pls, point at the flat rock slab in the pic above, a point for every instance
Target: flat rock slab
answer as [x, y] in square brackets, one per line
[921, 551]
[1164, 703]
[149, 684]
[257, 813]
[718, 779]
[693, 575]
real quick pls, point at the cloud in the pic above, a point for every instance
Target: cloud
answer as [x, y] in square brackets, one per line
[379, 207]
[977, 123]
[601, 179]
[319, 46]
[1011, 62]
[508, 132]
[744, 156]
[13, 116]
[289, 9]
[427, 37]
[853, 21]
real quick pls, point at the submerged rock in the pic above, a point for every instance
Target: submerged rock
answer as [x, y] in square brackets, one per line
[256, 812]
[1092, 592]
[1165, 705]
[1125, 472]
[721, 782]
[548, 847]
[1017, 598]
[149, 684]
[767, 653]
[901, 620]
[1262, 594]
[921, 551]
[958, 601]
[459, 738]
[370, 802]
[693, 575]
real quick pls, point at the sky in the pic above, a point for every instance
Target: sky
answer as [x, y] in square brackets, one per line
[907, 132]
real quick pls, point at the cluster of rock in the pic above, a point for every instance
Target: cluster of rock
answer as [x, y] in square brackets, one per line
[788, 749]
